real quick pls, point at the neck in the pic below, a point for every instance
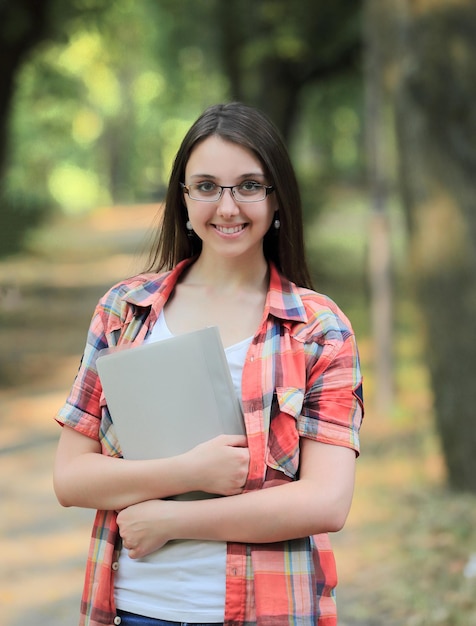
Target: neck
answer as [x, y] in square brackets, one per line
[229, 275]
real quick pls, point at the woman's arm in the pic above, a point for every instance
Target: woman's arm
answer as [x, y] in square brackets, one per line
[318, 502]
[84, 477]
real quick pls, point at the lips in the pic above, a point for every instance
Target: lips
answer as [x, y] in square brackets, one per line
[230, 230]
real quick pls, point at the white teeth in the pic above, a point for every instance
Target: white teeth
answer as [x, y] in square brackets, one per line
[229, 230]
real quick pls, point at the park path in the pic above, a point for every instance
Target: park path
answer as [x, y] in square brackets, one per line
[43, 546]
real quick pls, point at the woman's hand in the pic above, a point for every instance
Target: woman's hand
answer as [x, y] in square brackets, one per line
[85, 477]
[145, 527]
[220, 465]
[319, 500]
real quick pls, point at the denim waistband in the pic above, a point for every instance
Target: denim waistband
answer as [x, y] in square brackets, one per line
[131, 619]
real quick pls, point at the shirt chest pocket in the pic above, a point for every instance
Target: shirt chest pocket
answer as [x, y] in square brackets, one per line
[283, 440]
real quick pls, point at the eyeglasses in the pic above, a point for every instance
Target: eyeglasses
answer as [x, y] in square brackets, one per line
[247, 191]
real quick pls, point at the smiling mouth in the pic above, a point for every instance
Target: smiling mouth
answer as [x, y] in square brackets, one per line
[230, 230]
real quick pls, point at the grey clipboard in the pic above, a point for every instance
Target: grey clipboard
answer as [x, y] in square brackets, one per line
[168, 396]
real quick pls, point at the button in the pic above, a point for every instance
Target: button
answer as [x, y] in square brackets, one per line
[117, 620]
[115, 566]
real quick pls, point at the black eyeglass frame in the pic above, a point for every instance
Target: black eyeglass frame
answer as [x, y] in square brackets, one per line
[268, 189]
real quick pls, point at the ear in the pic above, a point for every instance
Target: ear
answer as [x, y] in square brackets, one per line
[185, 197]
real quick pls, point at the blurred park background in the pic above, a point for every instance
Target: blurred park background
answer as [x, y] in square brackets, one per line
[375, 99]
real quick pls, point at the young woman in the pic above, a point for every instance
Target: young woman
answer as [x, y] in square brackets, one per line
[229, 253]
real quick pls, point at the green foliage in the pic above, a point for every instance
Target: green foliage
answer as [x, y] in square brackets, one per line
[19, 214]
[101, 106]
[93, 125]
[328, 140]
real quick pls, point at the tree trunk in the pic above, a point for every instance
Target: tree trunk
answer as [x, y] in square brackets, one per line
[329, 41]
[380, 258]
[436, 127]
[22, 24]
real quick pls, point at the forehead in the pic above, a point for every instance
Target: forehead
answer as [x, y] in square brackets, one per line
[223, 159]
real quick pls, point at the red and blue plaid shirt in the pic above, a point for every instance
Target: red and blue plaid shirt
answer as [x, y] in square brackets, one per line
[301, 378]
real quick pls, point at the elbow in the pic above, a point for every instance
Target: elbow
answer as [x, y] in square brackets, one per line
[331, 516]
[338, 513]
[63, 501]
[330, 523]
[337, 522]
[63, 494]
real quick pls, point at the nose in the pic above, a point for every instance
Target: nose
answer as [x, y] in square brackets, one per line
[227, 204]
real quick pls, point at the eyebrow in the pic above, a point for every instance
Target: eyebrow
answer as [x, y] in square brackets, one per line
[247, 175]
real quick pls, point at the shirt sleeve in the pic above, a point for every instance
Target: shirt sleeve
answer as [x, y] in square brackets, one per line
[333, 405]
[82, 409]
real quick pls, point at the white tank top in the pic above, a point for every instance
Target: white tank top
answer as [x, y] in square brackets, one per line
[185, 580]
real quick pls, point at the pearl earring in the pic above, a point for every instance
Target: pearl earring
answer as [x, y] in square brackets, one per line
[277, 224]
[189, 227]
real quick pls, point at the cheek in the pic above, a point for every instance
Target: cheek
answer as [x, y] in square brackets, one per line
[191, 212]
[186, 202]
[273, 203]
[272, 209]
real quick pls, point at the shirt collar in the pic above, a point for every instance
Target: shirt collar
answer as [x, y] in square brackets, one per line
[155, 292]
[283, 299]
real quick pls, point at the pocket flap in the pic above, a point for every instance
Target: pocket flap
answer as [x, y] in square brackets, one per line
[290, 400]
[283, 438]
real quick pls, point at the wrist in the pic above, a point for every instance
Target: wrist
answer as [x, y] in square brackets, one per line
[174, 476]
[189, 472]
[175, 517]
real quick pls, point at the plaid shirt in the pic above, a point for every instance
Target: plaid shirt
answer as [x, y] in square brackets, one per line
[301, 378]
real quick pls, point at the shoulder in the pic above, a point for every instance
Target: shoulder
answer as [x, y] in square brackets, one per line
[327, 336]
[312, 317]
[137, 292]
[139, 286]
[140, 293]
[308, 312]
[325, 320]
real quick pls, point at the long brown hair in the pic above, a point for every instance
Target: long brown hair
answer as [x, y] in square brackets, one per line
[250, 128]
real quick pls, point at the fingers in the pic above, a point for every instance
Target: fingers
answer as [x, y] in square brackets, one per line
[237, 441]
[220, 465]
[133, 551]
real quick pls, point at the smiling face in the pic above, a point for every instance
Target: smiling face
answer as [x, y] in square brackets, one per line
[228, 228]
